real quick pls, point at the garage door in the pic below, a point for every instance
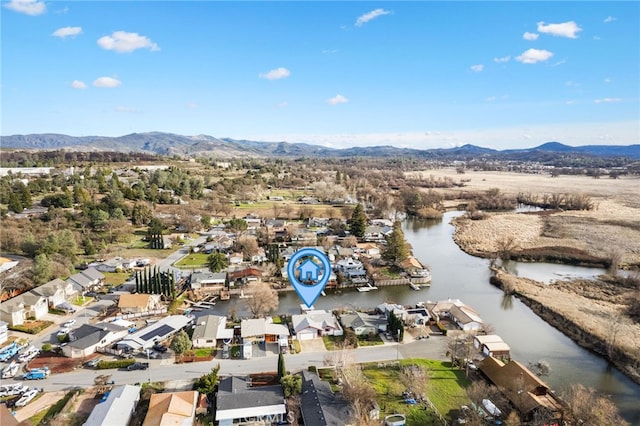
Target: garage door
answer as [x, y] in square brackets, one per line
[306, 335]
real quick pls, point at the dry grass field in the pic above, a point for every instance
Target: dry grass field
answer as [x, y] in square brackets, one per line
[588, 311]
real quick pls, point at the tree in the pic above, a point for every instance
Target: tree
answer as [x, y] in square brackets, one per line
[237, 226]
[358, 222]
[217, 262]
[282, 370]
[181, 342]
[207, 384]
[397, 248]
[41, 269]
[247, 245]
[140, 214]
[586, 407]
[415, 378]
[395, 325]
[263, 299]
[291, 384]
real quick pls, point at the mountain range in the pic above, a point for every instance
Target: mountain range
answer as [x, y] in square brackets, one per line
[208, 146]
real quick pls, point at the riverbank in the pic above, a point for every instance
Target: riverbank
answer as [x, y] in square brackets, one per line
[590, 312]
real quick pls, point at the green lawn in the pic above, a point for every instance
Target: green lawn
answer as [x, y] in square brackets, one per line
[446, 388]
[115, 278]
[370, 340]
[202, 352]
[193, 260]
[80, 301]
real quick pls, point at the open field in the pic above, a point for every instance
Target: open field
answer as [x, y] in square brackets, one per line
[587, 312]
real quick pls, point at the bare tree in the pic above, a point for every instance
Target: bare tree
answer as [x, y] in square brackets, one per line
[247, 245]
[415, 378]
[262, 300]
[349, 241]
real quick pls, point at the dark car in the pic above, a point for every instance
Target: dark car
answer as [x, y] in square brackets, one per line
[138, 366]
[160, 348]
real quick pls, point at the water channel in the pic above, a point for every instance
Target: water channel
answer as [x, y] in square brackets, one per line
[458, 275]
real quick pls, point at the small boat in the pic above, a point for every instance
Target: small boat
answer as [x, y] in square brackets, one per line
[11, 370]
[414, 287]
[367, 287]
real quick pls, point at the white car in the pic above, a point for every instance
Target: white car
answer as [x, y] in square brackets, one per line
[63, 331]
[69, 323]
[26, 397]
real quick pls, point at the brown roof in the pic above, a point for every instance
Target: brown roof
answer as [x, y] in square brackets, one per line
[524, 389]
[134, 300]
[243, 273]
[6, 418]
[170, 408]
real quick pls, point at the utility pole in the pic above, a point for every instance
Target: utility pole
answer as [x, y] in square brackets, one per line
[149, 365]
[398, 349]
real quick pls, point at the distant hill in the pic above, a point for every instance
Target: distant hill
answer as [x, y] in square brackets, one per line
[208, 146]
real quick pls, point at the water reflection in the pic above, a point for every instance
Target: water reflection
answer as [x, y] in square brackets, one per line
[507, 302]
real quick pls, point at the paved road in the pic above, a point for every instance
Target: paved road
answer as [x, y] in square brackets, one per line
[164, 370]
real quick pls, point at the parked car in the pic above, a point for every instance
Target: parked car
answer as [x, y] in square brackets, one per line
[138, 366]
[225, 352]
[69, 323]
[160, 348]
[63, 331]
[26, 397]
[92, 363]
[154, 355]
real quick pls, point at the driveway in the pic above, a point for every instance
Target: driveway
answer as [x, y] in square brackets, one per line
[44, 402]
[313, 345]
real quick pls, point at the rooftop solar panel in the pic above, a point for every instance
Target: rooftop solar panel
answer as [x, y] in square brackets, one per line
[160, 331]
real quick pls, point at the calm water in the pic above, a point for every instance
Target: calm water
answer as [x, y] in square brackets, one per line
[458, 275]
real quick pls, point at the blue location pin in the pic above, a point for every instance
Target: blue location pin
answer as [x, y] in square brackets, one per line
[309, 284]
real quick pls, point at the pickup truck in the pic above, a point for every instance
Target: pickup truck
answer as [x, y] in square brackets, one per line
[138, 366]
[36, 374]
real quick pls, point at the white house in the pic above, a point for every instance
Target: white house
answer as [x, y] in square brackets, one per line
[210, 329]
[118, 408]
[88, 339]
[22, 307]
[314, 324]
[56, 292]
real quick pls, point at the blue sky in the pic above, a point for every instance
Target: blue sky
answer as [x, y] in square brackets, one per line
[341, 74]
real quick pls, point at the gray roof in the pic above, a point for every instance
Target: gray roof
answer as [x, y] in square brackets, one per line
[234, 393]
[210, 327]
[88, 335]
[319, 405]
[50, 288]
[360, 319]
[253, 327]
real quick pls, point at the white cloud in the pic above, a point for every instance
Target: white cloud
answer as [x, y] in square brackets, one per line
[329, 51]
[491, 99]
[609, 19]
[363, 19]
[571, 84]
[530, 36]
[597, 38]
[607, 100]
[477, 67]
[607, 80]
[192, 105]
[124, 42]
[283, 104]
[275, 74]
[67, 32]
[570, 102]
[106, 82]
[77, 84]
[532, 56]
[502, 59]
[28, 7]
[337, 99]
[566, 29]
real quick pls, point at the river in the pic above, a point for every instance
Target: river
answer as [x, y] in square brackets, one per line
[458, 275]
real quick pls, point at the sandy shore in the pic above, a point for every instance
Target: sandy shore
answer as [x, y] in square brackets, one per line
[589, 313]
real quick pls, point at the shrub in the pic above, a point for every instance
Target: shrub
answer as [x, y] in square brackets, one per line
[120, 363]
[46, 347]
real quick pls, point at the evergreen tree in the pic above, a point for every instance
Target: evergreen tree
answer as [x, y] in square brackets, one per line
[217, 262]
[282, 371]
[397, 248]
[358, 222]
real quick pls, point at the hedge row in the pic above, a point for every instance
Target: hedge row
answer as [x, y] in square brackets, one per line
[31, 329]
[119, 363]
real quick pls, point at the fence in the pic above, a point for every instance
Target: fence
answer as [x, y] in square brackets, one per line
[138, 314]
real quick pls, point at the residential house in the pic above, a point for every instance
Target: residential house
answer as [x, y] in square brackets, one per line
[314, 324]
[218, 243]
[17, 310]
[455, 310]
[415, 268]
[466, 318]
[492, 345]
[320, 406]
[363, 323]
[6, 418]
[110, 265]
[236, 258]
[418, 316]
[210, 282]
[209, 330]
[88, 339]
[317, 222]
[172, 408]
[376, 233]
[118, 408]
[244, 276]
[138, 303]
[263, 330]
[56, 292]
[348, 263]
[368, 249]
[260, 256]
[523, 389]
[88, 280]
[304, 237]
[159, 331]
[399, 311]
[238, 402]
[4, 332]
